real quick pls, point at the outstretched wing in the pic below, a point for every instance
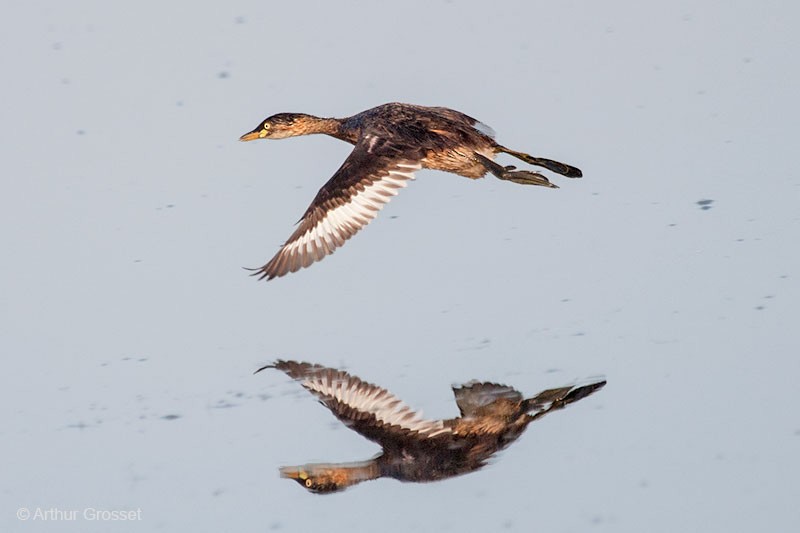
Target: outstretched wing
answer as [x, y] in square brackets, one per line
[471, 396]
[372, 174]
[554, 399]
[367, 409]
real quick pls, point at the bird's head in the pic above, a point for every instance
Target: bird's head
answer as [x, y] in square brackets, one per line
[281, 126]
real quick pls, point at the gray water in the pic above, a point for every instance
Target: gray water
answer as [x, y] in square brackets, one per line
[129, 332]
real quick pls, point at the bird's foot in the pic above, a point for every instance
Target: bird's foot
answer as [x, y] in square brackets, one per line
[556, 166]
[526, 177]
[510, 173]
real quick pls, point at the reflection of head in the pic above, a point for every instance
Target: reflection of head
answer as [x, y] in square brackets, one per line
[324, 478]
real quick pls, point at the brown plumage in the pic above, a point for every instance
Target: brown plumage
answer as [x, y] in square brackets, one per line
[392, 141]
[414, 448]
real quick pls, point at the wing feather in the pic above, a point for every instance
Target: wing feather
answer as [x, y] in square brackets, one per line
[350, 200]
[368, 409]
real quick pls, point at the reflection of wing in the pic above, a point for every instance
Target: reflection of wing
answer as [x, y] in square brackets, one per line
[369, 410]
[474, 395]
[554, 399]
[371, 175]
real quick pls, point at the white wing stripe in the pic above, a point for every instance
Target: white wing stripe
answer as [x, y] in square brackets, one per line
[328, 233]
[333, 219]
[365, 204]
[333, 227]
[386, 407]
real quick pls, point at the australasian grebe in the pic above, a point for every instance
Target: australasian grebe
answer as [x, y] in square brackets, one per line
[415, 449]
[392, 141]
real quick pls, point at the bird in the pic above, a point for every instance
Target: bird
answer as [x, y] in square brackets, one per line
[415, 449]
[391, 142]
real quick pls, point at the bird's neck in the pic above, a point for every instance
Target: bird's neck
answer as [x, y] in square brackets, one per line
[311, 125]
[335, 127]
[359, 471]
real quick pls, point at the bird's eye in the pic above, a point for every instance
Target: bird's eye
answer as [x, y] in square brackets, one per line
[266, 126]
[309, 483]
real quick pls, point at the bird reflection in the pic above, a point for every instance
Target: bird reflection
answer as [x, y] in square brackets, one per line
[414, 448]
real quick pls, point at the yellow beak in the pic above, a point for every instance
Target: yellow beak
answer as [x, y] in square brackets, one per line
[253, 135]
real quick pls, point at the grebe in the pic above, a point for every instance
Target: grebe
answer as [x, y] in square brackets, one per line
[392, 141]
[415, 449]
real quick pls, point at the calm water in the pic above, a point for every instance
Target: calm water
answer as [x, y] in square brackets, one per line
[130, 333]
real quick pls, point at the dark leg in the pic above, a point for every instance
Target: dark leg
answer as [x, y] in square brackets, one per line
[510, 173]
[549, 164]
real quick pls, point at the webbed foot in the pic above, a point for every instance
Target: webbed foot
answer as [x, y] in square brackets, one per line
[510, 173]
[556, 166]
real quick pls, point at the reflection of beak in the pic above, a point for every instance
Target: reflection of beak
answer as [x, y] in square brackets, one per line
[292, 472]
[253, 135]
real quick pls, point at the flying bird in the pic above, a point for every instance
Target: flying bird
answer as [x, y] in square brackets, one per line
[414, 448]
[392, 141]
